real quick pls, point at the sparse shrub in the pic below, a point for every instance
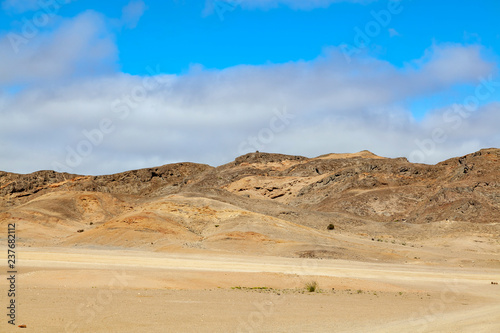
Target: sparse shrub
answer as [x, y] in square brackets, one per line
[330, 227]
[311, 286]
[360, 291]
[216, 225]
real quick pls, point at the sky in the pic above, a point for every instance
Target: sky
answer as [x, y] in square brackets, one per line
[94, 87]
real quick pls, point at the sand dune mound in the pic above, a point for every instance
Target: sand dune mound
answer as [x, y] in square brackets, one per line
[361, 154]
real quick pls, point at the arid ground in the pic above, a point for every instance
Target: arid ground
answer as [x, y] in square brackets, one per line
[239, 248]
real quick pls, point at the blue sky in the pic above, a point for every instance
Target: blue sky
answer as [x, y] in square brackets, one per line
[388, 76]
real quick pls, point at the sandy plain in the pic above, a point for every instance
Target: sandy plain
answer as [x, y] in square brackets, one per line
[119, 290]
[192, 248]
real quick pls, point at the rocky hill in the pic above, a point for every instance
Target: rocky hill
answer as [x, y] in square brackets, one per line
[271, 199]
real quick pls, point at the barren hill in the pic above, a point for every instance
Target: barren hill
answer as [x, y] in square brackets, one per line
[264, 203]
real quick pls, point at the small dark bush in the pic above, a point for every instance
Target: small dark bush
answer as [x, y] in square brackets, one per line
[330, 227]
[311, 286]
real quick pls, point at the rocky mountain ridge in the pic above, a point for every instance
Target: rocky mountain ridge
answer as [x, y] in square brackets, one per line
[365, 185]
[277, 201]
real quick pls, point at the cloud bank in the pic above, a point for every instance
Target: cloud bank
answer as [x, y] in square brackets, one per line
[62, 118]
[79, 47]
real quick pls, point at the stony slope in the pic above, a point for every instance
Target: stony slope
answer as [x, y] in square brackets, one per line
[270, 203]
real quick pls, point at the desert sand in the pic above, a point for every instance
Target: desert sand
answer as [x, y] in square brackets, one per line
[98, 290]
[192, 248]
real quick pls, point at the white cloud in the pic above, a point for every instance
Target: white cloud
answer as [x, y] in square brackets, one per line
[454, 63]
[221, 6]
[21, 6]
[210, 116]
[79, 47]
[132, 13]
[295, 4]
[393, 32]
